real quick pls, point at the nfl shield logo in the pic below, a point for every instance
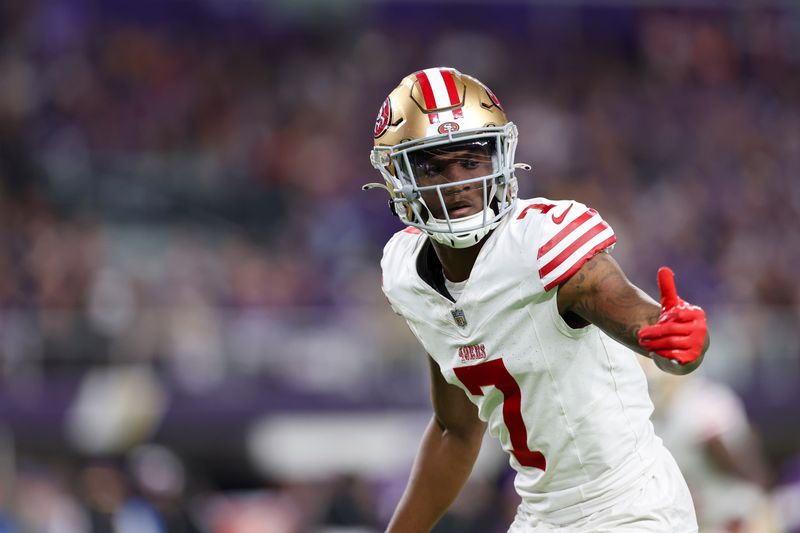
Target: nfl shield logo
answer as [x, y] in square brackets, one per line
[458, 316]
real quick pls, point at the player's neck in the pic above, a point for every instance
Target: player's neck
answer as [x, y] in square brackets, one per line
[457, 263]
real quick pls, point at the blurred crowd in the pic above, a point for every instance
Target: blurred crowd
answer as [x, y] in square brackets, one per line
[183, 192]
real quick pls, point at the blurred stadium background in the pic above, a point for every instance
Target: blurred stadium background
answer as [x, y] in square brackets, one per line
[192, 334]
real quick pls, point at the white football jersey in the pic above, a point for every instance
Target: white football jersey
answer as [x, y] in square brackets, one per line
[570, 406]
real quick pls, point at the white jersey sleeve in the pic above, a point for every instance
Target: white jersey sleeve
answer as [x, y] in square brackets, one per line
[570, 233]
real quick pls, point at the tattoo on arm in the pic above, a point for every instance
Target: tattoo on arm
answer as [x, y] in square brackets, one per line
[601, 294]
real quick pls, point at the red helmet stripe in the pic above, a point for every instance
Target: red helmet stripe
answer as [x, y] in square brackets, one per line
[452, 92]
[427, 90]
[427, 94]
[439, 90]
[450, 84]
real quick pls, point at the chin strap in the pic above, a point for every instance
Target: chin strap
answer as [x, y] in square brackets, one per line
[523, 166]
[460, 238]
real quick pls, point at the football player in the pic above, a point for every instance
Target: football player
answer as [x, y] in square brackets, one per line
[717, 449]
[530, 325]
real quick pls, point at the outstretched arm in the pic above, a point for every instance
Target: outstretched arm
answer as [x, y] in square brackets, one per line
[444, 461]
[673, 334]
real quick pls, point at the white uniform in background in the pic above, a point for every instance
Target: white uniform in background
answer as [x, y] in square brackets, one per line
[570, 406]
[721, 498]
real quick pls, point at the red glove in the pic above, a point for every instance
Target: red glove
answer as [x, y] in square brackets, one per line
[680, 331]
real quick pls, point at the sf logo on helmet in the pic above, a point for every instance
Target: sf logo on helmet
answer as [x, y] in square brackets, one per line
[448, 127]
[384, 116]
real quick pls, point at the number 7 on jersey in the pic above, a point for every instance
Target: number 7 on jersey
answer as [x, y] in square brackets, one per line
[494, 373]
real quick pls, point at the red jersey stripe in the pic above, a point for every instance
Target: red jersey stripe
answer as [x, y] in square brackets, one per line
[572, 248]
[569, 228]
[574, 268]
[543, 208]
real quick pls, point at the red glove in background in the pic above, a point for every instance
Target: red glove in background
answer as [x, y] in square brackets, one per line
[680, 331]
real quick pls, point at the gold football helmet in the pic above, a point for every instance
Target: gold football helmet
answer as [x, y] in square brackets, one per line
[441, 113]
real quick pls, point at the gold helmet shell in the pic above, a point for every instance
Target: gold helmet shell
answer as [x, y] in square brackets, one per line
[435, 107]
[433, 102]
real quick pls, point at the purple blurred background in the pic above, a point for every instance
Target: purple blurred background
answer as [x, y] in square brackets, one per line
[192, 333]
